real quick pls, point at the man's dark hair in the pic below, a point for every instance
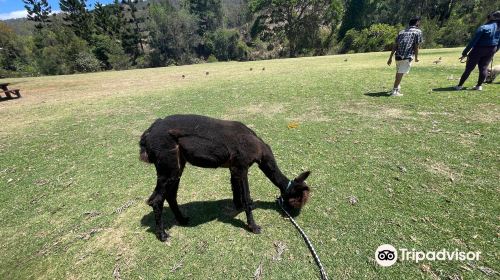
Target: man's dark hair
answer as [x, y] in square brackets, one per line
[414, 21]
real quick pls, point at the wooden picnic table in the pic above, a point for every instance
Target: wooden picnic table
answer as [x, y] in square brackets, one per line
[8, 92]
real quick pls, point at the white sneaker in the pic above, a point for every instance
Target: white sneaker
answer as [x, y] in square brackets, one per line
[396, 92]
[459, 87]
[478, 88]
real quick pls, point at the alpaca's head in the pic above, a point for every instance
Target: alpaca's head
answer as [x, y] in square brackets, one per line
[297, 192]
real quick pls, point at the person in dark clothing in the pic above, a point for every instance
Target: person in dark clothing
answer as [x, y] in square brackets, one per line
[481, 49]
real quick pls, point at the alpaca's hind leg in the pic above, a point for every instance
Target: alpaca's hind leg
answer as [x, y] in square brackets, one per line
[240, 178]
[237, 193]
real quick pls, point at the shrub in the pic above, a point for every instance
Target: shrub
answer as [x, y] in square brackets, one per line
[87, 62]
[378, 37]
[110, 52]
[431, 33]
[212, 58]
[225, 44]
[51, 62]
[455, 33]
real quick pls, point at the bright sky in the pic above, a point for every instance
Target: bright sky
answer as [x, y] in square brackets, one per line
[15, 8]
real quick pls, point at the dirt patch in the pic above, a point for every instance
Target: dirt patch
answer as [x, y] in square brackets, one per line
[378, 112]
[486, 113]
[430, 114]
[267, 110]
[311, 114]
[443, 170]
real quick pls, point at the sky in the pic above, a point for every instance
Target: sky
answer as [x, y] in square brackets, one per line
[15, 8]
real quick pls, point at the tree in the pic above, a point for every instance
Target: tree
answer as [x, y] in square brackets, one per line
[79, 19]
[11, 52]
[108, 19]
[131, 33]
[38, 11]
[355, 16]
[299, 21]
[225, 44]
[110, 52]
[173, 35]
[209, 13]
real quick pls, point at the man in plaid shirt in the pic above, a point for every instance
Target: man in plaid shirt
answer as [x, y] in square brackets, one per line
[406, 49]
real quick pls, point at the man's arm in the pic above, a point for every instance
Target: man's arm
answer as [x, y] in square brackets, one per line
[417, 46]
[394, 48]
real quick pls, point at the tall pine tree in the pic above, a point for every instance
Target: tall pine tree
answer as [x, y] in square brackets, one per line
[38, 11]
[209, 13]
[78, 17]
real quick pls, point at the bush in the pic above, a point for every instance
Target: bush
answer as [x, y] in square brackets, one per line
[431, 31]
[110, 53]
[378, 37]
[212, 58]
[455, 33]
[86, 62]
[51, 62]
[225, 44]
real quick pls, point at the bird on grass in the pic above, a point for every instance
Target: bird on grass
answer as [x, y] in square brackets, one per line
[438, 61]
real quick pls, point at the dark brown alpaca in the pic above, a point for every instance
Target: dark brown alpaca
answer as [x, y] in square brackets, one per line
[211, 143]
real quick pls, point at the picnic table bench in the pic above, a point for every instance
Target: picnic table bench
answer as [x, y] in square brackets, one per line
[8, 92]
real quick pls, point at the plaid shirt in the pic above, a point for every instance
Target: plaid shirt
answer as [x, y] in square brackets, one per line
[406, 41]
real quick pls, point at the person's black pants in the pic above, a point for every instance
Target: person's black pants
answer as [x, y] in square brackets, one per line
[480, 56]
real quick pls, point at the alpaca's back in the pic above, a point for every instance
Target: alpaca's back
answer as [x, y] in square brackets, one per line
[203, 141]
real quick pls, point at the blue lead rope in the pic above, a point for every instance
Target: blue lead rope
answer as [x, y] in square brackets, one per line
[306, 239]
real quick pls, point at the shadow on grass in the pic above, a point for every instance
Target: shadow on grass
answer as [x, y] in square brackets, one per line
[377, 94]
[445, 89]
[2, 99]
[201, 212]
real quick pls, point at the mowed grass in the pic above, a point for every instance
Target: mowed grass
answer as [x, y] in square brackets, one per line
[424, 169]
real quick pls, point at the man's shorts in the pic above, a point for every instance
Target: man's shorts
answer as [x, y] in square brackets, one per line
[403, 66]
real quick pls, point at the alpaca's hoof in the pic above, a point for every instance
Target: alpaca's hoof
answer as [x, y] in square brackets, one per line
[162, 236]
[255, 229]
[184, 221]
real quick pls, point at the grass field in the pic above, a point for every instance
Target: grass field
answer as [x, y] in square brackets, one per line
[424, 169]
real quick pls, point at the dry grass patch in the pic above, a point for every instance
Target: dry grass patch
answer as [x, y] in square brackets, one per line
[368, 110]
[442, 170]
[267, 110]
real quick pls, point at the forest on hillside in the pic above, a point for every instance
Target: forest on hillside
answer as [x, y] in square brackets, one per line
[140, 34]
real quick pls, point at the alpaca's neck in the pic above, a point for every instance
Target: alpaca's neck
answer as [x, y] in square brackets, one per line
[271, 170]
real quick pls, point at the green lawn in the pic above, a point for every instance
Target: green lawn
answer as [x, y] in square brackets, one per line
[424, 168]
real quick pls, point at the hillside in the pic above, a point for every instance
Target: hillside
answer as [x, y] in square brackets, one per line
[230, 7]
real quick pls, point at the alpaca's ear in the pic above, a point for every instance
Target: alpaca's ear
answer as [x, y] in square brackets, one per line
[302, 177]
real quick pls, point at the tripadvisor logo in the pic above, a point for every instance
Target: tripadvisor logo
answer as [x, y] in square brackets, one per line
[386, 255]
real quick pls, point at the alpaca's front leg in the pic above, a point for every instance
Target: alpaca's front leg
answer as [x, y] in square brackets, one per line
[240, 178]
[160, 228]
[156, 200]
